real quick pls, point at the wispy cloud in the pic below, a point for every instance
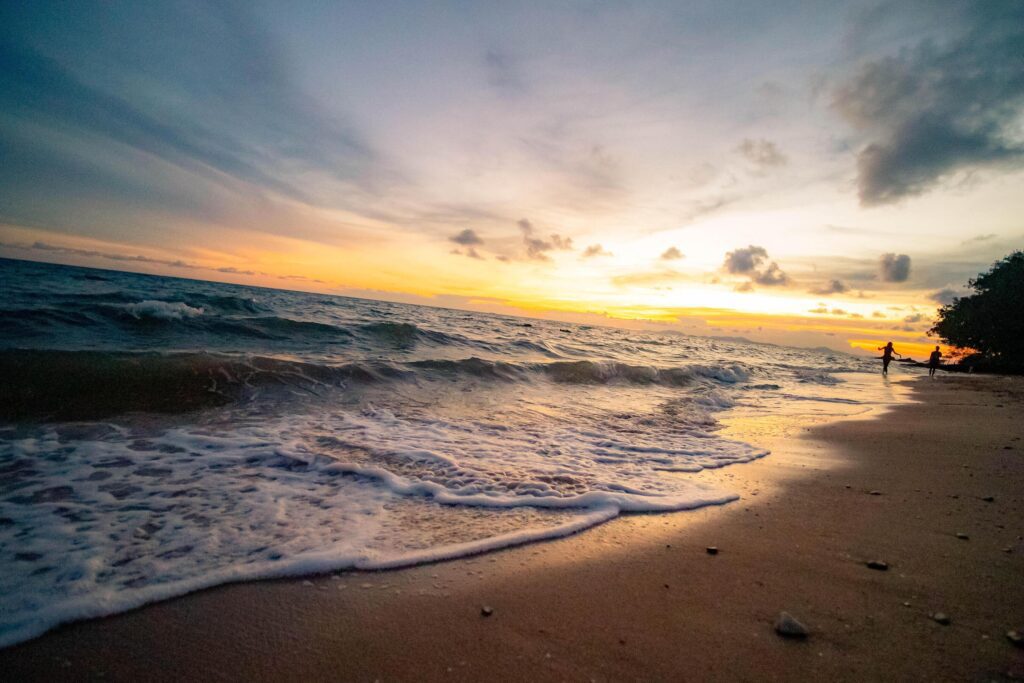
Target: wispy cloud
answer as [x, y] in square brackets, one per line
[536, 248]
[830, 287]
[671, 254]
[762, 153]
[595, 250]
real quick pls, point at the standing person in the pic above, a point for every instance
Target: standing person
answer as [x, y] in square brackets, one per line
[933, 361]
[887, 352]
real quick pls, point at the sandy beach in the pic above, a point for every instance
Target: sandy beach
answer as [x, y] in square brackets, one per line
[933, 488]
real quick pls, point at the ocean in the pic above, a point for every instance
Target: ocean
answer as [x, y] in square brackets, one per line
[161, 435]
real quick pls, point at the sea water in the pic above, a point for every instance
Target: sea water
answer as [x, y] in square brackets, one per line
[161, 435]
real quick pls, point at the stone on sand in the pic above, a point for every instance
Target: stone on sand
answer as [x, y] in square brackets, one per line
[788, 626]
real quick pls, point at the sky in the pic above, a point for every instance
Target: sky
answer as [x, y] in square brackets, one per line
[812, 174]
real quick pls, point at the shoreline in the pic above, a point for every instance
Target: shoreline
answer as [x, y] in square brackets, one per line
[638, 597]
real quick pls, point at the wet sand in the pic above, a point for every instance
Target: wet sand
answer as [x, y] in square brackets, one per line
[640, 598]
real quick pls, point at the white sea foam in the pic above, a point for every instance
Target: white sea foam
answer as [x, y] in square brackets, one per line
[163, 310]
[106, 518]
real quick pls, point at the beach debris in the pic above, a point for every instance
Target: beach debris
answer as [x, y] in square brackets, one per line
[711, 550]
[878, 565]
[1016, 637]
[788, 626]
[486, 611]
[940, 618]
[962, 536]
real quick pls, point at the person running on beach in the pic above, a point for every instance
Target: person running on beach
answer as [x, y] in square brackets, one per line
[933, 361]
[887, 352]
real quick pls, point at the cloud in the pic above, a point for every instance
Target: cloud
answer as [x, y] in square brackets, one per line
[745, 260]
[820, 310]
[235, 271]
[830, 287]
[980, 238]
[175, 109]
[763, 153]
[894, 267]
[536, 248]
[772, 276]
[501, 72]
[653, 278]
[110, 256]
[466, 238]
[671, 254]
[938, 108]
[915, 318]
[749, 261]
[945, 296]
[744, 287]
[470, 252]
[595, 250]
[878, 314]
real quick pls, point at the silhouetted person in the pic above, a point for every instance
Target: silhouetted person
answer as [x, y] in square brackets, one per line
[887, 352]
[933, 361]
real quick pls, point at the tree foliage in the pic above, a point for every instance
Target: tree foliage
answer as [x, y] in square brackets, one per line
[990, 321]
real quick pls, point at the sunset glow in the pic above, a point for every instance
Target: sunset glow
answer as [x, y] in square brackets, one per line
[655, 166]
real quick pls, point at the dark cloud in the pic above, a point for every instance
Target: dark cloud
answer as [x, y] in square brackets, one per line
[595, 250]
[830, 287]
[466, 238]
[820, 310]
[235, 271]
[753, 262]
[762, 153]
[537, 248]
[878, 314]
[771, 276]
[914, 318]
[90, 253]
[937, 108]
[894, 267]
[945, 296]
[671, 254]
[745, 260]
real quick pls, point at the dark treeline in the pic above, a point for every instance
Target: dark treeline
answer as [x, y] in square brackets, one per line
[990, 322]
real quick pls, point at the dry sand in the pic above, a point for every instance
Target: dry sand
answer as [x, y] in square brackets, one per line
[640, 599]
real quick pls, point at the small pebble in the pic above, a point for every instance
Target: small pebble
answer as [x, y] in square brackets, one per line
[989, 499]
[711, 550]
[941, 618]
[874, 493]
[878, 564]
[962, 536]
[787, 626]
[1015, 637]
[486, 611]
